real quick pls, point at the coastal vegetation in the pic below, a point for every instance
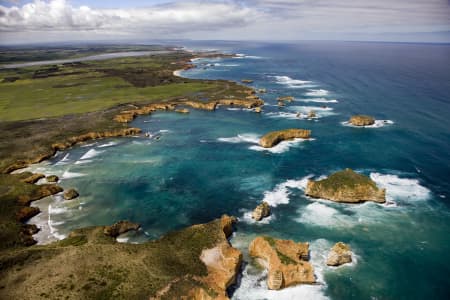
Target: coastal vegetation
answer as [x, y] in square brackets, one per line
[346, 186]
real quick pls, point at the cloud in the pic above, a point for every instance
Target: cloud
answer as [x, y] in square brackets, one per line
[60, 15]
[225, 19]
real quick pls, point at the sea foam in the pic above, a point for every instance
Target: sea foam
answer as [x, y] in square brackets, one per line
[280, 147]
[398, 188]
[317, 93]
[241, 138]
[280, 194]
[292, 83]
[318, 100]
[91, 153]
[377, 124]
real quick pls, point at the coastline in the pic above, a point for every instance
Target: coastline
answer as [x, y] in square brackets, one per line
[123, 117]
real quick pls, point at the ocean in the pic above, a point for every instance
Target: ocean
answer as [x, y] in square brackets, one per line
[206, 164]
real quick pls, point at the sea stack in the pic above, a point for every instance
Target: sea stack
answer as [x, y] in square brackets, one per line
[346, 186]
[70, 194]
[261, 211]
[361, 120]
[275, 137]
[286, 261]
[340, 254]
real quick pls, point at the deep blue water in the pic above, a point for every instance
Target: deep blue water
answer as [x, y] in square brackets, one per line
[207, 164]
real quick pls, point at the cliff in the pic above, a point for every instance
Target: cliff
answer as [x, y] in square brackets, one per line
[286, 261]
[196, 262]
[346, 186]
[273, 138]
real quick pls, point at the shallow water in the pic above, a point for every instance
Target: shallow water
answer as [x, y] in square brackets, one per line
[208, 163]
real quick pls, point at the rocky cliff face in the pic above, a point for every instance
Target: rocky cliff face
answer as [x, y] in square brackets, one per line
[193, 263]
[286, 261]
[119, 228]
[346, 186]
[361, 120]
[273, 138]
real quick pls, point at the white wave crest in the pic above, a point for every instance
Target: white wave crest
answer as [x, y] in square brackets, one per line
[91, 153]
[280, 147]
[292, 83]
[280, 194]
[318, 100]
[110, 144]
[377, 124]
[317, 93]
[241, 138]
[320, 214]
[400, 188]
[68, 174]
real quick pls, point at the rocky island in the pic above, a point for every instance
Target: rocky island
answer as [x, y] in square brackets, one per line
[261, 211]
[286, 261]
[340, 254]
[361, 120]
[346, 186]
[274, 138]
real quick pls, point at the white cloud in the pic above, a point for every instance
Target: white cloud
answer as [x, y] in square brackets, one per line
[59, 15]
[226, 19]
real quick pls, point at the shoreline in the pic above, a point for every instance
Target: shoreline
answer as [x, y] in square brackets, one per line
[124, 117]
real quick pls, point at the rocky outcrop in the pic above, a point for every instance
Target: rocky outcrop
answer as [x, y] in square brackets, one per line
[261, 211]
[273, 138]
[33, 178]
[119, 228]
[246, 81]
[339, 254]
[346, 186]
[70, 194]
[286, 261]
[281, 103]
[40, 192]
[222, 262]
[52, 178]
[182, 111]
[246, 103]
[361, 120]
[312, 114]
[286, 98]
[94, 135]
[27, 212]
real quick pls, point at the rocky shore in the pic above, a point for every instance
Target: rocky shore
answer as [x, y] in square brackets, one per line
[197, 263]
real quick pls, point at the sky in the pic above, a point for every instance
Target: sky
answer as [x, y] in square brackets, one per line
[31, 21]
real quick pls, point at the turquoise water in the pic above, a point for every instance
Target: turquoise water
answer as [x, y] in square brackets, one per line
[208, 163]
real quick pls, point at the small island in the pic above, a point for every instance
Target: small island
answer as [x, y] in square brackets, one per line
[361, 120]
[346, 186]
[286, 261]
[275, 137]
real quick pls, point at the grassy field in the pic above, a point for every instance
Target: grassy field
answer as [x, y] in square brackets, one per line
[52, 91]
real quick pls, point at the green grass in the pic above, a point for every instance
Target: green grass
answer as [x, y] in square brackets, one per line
[33, 99]
[87, 88]
[346, 178]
